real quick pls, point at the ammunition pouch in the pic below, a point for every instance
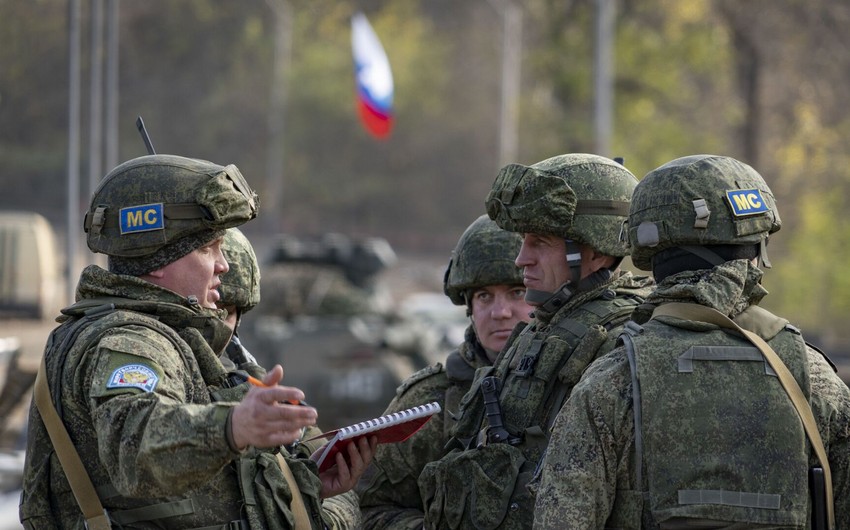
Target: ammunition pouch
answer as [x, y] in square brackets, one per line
[484, 488]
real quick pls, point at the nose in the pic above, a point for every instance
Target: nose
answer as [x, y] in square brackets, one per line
[221, 265]
[524, 257]
[502, 308]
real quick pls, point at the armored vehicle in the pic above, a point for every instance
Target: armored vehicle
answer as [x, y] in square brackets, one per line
[326, 316]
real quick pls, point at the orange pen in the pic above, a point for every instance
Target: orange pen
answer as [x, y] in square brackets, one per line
[256, 382]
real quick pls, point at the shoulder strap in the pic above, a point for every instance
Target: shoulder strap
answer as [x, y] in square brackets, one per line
[701, 313]
[78, 478]
[299, 510]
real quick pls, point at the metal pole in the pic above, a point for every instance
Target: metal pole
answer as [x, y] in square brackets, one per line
[511, 67]
[96, 95]
[111, 84]
[73, 144]
[276, 118]
[603, 74]
[511, 14]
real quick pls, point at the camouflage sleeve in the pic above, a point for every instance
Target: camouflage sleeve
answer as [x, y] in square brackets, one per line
[150, 439]
[831, 407]
[586, 461]
[342, 512]
[389, 492]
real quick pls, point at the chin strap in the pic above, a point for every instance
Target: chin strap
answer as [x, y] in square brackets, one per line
[763, 259]
[573, 261]
[551, 302]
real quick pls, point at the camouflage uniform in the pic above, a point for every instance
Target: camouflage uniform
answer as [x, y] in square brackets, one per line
[389, 492]
[133, 371]
[481, 483]
[240, 286]
[734, 434]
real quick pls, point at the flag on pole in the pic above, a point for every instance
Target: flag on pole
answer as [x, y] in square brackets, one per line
[373, 77]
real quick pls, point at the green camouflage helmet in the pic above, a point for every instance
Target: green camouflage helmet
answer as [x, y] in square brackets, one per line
[697, 201]
[484, 256]
[240, 286]
[147, 203]
[580, 197]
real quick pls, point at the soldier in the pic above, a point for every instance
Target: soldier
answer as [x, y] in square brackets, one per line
[481, 275]
[125, 430]
[694, 421]
[240, 292]
[570, 210]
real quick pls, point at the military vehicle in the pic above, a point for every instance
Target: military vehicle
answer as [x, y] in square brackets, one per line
[326, 316]
[30, 277]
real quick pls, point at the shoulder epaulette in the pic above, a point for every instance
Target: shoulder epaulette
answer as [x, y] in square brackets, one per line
[422, 374]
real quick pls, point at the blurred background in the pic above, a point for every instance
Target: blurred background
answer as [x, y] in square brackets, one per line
[269, 86]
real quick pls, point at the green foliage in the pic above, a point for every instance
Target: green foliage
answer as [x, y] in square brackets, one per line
[761, 81]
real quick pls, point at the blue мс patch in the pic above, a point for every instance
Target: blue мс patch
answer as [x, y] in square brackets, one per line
[141, 218]
[133, 375]
[746, 202]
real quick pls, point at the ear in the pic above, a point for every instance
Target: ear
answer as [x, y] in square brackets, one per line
[601, 261]
[157, 273]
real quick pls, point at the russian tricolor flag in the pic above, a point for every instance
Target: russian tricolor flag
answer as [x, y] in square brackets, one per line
[373, 76]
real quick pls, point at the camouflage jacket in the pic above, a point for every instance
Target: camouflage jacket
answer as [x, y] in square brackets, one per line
[589, 476]
[483, 485]
[134, 389]
[389, 493]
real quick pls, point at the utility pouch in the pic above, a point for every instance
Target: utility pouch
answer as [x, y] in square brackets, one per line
[471, 489]
[267, 493]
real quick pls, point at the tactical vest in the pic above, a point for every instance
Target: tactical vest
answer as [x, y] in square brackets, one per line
[540, 367]
[47, 482]
[720, 440]
[537, 373]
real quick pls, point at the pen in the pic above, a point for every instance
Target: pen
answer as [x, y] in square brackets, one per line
[256, 382]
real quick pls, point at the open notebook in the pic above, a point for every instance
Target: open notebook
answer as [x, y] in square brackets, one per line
[390, 428]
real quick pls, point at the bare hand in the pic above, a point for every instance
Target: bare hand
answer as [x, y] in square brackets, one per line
[264, 418]
[344, 475]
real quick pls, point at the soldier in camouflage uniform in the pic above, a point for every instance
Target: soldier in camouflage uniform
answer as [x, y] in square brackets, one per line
[133, 371]
[240, 292]
[687, 424]
[570, 210]
[481, 275]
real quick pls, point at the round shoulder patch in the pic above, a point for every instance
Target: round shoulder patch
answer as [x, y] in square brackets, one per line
[133, 375]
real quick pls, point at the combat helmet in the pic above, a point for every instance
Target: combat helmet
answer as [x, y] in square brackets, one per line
[149, 210]
[700, 201]
[484, 255]
[580, 197]
[240, 285]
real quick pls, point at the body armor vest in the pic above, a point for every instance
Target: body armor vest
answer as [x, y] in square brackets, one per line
[537, 373]
[720, 440]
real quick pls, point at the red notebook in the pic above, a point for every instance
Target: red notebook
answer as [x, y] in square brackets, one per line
[391, 428]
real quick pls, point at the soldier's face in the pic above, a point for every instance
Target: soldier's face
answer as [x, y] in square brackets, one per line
[496, 309]
[195, 274]
[543, 261]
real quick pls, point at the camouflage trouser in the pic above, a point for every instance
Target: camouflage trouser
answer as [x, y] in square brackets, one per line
[481, 488]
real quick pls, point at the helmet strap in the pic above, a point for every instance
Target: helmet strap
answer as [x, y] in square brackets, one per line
[764, 261]
[573, 261]
[539, 298]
